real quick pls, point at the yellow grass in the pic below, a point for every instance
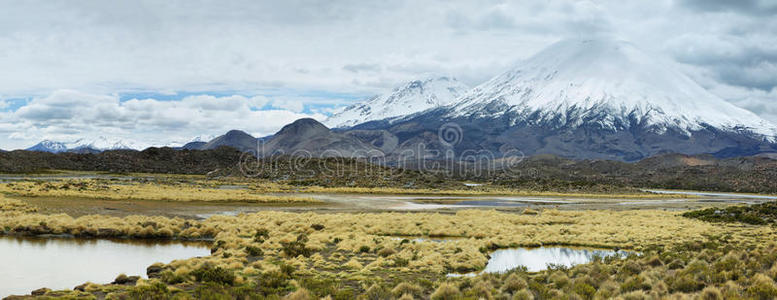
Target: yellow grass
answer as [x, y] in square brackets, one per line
[270, 187]
[346, 259]
[367, 247]
[478, 228]
[264, 187]
[12, 205]
[102, 189]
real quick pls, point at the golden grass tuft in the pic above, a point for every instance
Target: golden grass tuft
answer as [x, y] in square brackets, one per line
[12, 205]
[446, 291]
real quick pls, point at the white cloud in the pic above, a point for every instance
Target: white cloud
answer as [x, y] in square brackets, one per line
[51, 49]
[67, 115]
[292, 104]
[345, 46]
[763, 103]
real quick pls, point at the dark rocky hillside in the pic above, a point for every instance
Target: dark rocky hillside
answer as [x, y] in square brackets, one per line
[754, 174]
[151, 160]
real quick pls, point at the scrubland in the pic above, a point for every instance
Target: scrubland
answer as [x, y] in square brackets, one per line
[170, 190]
[234, 189]
[272, 255]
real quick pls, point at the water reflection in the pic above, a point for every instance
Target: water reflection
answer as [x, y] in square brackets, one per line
[62, 263]
[538, 259]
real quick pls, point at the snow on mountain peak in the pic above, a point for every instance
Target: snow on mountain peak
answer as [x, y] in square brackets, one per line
[574, 80]
[409, 98]
[100, 143]
[49, 146]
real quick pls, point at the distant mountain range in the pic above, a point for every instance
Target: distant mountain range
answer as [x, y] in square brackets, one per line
[579, 99]
[84, 145]
[102, 143]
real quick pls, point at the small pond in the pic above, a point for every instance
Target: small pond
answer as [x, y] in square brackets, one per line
[30, 263]
[538, 259]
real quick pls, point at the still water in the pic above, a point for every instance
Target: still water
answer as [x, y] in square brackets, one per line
[29, 263]
[538, 259]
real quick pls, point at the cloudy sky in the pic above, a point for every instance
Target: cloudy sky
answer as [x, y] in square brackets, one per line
[168, 71]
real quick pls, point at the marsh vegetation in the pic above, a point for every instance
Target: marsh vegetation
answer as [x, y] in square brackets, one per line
[388, 255]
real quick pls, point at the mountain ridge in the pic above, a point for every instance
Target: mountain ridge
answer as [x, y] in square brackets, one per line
[84, 145]
[308, 137]
[409, 98]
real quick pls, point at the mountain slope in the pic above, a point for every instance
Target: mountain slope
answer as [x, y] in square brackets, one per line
[309, 137]
[412, 97]
[237, 139]
[193, 145]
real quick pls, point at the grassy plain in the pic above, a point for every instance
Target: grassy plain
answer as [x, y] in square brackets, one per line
[134, 190]
[198, 188]
[272, 255]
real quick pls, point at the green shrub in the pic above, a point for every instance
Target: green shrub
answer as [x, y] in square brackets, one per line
[685, 284]
[481, 290]
[301, 294]
[514, 283]
[320, 286]
[169, 277]
[207, 273]
[635, 283]
[385, 252]
[211, 291]
[630, 268]
[261, 235]
[154, 291]
[254, 251]
[559, 279]
[635, 295]
[296, 248]
[401, 262]
[584, 290]
[763, 287]
[607, 290]
[376, 292]
[345, 294]
[273, 283]
[540, 290]
[676, 264]
[654, 261]
[523, 295]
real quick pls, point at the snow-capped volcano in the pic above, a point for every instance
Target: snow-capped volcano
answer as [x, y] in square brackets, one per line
[607, 82]
[588, 99]
[412, 97]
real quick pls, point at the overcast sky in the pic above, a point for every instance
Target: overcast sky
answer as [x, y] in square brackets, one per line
[169, 71]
